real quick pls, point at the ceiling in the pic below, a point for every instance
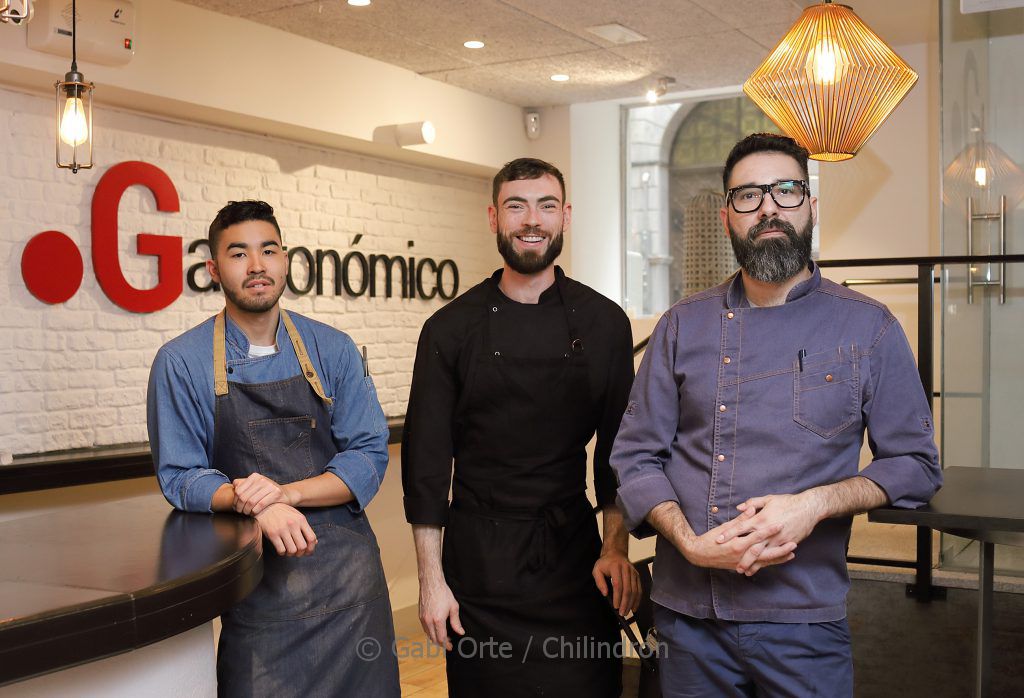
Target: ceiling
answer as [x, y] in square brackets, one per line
[699, 43]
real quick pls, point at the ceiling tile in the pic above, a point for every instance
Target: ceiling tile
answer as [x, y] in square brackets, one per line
[595, 74]
[751, 13]
[685, 18]
[712, 60]
[244, 8]
[334, 24]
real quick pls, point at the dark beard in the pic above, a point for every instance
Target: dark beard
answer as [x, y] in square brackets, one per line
[253, 305]
[528, 262]
[776, 259]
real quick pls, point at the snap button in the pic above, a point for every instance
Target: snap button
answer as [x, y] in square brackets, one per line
[309, 374]
[494, 309]
[497, 353]
[727, 360]
[722, 408]
[720, 458]
[714, 510]
[730, 315]
[230, 370]
[828, 378]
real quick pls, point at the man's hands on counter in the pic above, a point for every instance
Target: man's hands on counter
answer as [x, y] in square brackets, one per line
[287, 529]
[273, 507]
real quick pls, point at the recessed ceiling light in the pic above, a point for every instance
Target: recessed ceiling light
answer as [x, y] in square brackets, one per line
[560, 77]
[359, 3]
[473, 43]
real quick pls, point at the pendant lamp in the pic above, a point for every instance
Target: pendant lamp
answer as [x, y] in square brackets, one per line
[74, 112]
[830, 82]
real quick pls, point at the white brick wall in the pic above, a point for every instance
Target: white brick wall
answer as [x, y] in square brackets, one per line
[74, 375]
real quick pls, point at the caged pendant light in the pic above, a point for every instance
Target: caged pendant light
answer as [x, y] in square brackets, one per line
[74, 112]
[830, 82]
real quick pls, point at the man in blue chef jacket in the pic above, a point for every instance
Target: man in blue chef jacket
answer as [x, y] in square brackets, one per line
[740, 447]
[270, 414]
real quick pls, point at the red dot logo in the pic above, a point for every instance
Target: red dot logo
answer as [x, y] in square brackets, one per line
[51, 266]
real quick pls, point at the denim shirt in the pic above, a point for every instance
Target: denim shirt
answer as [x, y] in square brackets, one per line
[722, 410]
[180, 408]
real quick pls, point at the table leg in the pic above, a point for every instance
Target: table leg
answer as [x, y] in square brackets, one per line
[983, 669]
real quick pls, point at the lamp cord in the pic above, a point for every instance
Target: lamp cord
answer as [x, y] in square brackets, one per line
[74, 33]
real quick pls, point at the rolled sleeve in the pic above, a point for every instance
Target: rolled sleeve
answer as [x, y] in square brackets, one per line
[899, 423]
[647, 431]
[359, 429]
[177, 436]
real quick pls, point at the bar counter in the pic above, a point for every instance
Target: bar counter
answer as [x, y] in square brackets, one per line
[85, 583]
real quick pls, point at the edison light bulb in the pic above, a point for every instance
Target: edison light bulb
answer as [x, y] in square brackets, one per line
[74, 130]
[981, 175]
[826, 63]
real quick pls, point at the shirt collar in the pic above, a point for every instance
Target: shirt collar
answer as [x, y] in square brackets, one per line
[551, 293]
[737, 297]
[235, 337]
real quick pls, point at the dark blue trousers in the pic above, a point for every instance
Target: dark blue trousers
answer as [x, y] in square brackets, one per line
[724, 659]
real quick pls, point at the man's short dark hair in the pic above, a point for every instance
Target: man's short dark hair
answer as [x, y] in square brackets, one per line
[764, 143]
[240, 212]
[525, 168]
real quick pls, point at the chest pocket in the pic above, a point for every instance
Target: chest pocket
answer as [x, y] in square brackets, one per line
[826, 393]
[282, 447]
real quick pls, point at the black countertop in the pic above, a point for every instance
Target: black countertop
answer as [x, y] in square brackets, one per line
[987, 502]
[89, 582]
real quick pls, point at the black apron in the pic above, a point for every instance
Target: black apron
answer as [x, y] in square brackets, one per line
[535, 623]
[318, 625]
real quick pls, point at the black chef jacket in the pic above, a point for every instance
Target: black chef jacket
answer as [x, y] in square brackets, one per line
[451, 345]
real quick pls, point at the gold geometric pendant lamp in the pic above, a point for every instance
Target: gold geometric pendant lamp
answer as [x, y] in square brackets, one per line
[830, 82]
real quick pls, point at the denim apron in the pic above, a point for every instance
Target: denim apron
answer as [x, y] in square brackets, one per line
[533, 616]
[318, 625]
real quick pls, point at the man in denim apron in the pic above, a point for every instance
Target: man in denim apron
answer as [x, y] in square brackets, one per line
[512, 380]
[271, 414]
[741, 444]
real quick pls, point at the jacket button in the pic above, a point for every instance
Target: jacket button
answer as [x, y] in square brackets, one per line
[721, 457]
[722, 408]
[230, 370]
[727, 360]
[714, 510]
[828, 378]
[494, 309]
[730, 315]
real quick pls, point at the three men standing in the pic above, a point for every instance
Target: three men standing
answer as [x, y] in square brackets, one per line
[511, 381]
[270, 414]
[741, 441]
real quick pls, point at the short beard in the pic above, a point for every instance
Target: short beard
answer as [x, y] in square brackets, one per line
[776, 259]
[252, 305]
[528, 262]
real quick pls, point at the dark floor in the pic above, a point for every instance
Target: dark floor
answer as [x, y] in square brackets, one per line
[906, 649]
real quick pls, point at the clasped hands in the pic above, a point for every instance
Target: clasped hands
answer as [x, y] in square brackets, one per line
[766, 532]
[273, 507]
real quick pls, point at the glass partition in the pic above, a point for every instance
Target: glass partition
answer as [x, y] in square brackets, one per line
[983, 308]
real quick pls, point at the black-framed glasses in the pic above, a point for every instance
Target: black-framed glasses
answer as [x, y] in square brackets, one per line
[787, 193]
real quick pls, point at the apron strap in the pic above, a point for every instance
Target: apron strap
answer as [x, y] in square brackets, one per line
[220, 362]
[307, 366]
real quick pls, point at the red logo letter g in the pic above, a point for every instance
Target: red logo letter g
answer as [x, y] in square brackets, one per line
[167, 248]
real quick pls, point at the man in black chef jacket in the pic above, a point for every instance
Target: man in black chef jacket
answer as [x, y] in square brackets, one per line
[512, 379]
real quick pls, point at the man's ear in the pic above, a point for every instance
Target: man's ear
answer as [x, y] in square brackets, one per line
[211, 269]
[492, 218]
[724, 215]
[566, 216]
